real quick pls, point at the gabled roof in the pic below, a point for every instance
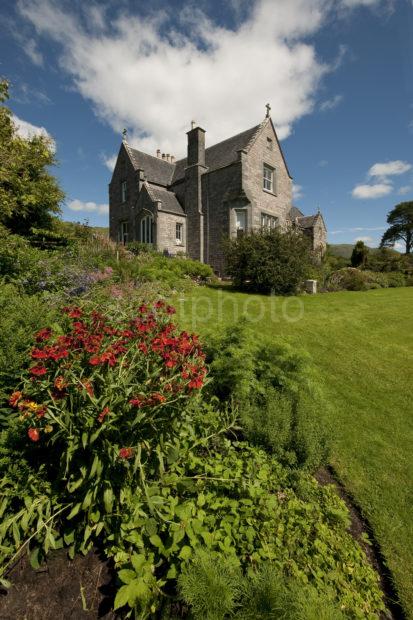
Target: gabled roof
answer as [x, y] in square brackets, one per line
[294, 213]
[308, 221]
[220, 154]
[168, 200]
[156, 170]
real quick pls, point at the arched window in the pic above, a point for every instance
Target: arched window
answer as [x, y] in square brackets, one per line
[146, 229]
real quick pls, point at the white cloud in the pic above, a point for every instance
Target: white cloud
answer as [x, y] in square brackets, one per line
[27, 130]
[356, 229]
[372, 191]
[323, 163]
[389, 168]
[400, 247]
[332, 103]
[88, 207]
[405, 189]
[355, 3]
[297, 192]
[364, 239]
[30, 47]
[109, 161]
[145, 74]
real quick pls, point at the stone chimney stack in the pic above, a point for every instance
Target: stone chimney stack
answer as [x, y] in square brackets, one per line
[158, 152]
[167, 157]
[194, 170]
[163, 156]
[196, 146]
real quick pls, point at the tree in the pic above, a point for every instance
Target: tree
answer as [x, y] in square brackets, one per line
[359, 255]
[401, 226]
[272, 261]
[29, 194]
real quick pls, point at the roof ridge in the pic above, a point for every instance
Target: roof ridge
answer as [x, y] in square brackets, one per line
[260, 127]
[153, 156]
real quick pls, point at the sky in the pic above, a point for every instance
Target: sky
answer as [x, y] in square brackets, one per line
[337, 73]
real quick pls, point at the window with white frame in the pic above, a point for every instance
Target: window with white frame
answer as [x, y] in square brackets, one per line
[146, 229]
[123, 191]
[179, 233]
[240, 222]
[268, 178]
[124, 232]
[268, 222]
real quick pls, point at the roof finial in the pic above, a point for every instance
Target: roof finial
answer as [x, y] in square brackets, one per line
[193, 123]
[124, 134]
[318, 209]
[268, 110]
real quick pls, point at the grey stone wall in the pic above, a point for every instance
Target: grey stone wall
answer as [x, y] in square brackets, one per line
[166, 232]
[277, 203]
[118, 211]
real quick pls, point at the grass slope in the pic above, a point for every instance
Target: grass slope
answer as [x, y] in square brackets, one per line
[362, 342]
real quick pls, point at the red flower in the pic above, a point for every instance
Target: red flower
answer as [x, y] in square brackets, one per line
[14, 398]
[73, 313]
[126, 453]
[170, 310]
[34, 434]
[142, 347]
[158, 398]
[40, 413]
[143, 309]
[43, 334]
[38, 370]
[103, 414]
[88, 387]
[95, 360]
[159, 304]
[137, 402]
[40, 354]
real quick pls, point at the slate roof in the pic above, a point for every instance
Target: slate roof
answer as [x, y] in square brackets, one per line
[294, 212]
[220, 154]
[169, 201]
[156, 170]
[307, 221]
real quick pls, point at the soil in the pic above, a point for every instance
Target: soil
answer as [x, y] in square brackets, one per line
[360, 526]
[62, 588]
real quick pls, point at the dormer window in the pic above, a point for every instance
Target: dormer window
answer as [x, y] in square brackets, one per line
[268, 178]
[123, 191]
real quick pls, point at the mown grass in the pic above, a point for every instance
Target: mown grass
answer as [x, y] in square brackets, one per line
[362, 343]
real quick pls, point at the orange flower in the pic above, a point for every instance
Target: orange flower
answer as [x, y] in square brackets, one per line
[103, 414]
[34, 434]
[126, 453]
[14, 398]
[60, 383]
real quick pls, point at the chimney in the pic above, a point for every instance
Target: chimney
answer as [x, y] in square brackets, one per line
[158, 152]
[196, 146]
[172, 159]
[163, 156]
[167, 157]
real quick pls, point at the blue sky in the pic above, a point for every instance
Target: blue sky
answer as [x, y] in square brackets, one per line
[338, 75]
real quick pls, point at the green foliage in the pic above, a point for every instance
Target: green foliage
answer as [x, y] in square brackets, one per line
[359, 255]
[29, 194]
[351, 279]
[156, 473]
[400, 219]
[276, 392]
[20, 317]
[211, 585]
[267, 262]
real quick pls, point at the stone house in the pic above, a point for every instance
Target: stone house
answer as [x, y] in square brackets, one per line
[239, 185]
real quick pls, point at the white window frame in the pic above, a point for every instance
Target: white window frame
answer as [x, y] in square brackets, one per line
[268, 178]
[179, 229]
[146, 229]
[124, 191]
[124, 232]
[268, 222]
[241, 230]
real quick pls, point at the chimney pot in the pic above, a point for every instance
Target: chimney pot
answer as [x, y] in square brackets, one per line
[172, 159]
[163, 156]
[158, 152]
[168, 157]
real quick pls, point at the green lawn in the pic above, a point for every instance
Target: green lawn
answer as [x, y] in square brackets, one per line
[362, 342]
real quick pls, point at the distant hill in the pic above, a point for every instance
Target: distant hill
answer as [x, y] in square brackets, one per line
[341, 250]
